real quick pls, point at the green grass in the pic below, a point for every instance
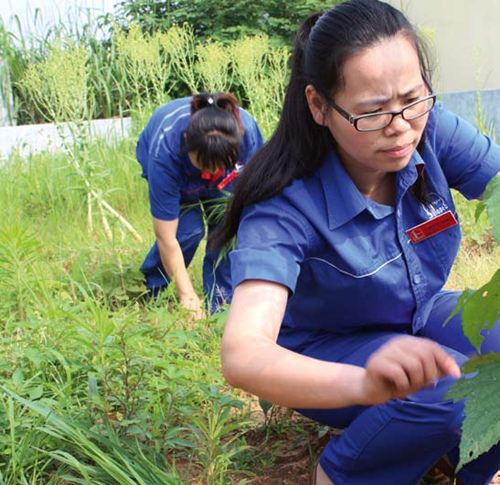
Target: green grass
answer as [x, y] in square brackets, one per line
[95, 376]
[479, 254]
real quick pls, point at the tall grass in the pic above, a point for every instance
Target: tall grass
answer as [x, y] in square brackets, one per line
[129, 71]
[100, 384]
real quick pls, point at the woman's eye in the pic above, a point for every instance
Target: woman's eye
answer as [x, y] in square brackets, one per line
[372, 112]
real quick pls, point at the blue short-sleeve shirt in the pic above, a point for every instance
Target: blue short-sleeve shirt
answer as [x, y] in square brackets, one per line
[349, 262]
[172, 178]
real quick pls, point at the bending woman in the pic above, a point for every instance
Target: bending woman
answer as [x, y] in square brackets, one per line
[190, 152]
[346, 234]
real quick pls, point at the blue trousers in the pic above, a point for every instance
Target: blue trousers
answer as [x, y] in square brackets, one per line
[217, 284]
[396, 443]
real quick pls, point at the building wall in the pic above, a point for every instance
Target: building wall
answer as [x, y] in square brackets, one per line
[466, 40]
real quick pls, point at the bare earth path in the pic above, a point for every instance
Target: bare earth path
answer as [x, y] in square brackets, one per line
[286, 449]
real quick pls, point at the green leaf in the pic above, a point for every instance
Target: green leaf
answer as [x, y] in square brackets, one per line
[18, 377]
[481, 426]
[492, 201]
[480, 208]
[480, 310]
[265, 406]
[36, 393]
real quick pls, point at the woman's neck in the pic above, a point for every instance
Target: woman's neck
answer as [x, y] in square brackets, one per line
[380, 188]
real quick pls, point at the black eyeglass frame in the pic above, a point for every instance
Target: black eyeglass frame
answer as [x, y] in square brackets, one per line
[354, 119]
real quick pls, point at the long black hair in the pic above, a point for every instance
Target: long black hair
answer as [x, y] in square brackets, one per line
[299, 145]
[214, 131]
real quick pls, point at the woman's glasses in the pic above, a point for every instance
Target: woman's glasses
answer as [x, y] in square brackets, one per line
[379, 121]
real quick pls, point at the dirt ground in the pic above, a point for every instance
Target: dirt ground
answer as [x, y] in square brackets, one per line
[291, 452]
[293, 465]
[285, 448]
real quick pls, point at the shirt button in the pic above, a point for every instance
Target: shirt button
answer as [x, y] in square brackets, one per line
[416, 279]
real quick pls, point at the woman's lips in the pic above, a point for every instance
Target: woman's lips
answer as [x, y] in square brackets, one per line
[399, 150]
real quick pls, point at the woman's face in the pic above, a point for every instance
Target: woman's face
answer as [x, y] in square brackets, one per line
[384, 77]
[193, 157]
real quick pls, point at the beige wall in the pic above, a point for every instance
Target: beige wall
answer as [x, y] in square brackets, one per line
[466, 40]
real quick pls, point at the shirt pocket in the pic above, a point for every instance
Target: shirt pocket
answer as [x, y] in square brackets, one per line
[355, 287]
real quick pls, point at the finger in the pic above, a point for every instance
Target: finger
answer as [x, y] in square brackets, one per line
[414, 366]
[447, 365]
[411, 357]
[393, 373]
[431, 371]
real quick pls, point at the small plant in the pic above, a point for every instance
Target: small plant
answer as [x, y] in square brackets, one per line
[180, 42]
[480, 387]
[262, 72]
[19, 252]
[58, 85]
[215, 434]
[213, 67]
[95, 458]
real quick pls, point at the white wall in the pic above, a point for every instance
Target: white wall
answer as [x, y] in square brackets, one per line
[467, 35]
[34, 138]
[50, 12]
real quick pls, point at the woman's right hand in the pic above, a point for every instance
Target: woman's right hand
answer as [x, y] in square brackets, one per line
[194, 306]
[403, 366]
[175, 266]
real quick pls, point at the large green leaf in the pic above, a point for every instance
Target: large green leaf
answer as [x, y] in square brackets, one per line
[480, 309]
[481, 427]
[492, 201]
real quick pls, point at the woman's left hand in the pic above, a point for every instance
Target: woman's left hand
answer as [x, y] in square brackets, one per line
[403, 366]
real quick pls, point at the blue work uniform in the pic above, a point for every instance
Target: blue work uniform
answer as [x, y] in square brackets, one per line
[179, 190]
[360, 273]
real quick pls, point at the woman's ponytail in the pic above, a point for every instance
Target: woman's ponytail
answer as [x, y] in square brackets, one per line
[295, 149]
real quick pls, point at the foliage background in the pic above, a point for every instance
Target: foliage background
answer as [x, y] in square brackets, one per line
[210, 23]
[222, 19]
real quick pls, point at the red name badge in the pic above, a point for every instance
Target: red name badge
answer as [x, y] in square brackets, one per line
[237, 169]
[432, 227]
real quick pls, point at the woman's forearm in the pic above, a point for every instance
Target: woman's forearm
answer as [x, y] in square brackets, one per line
[289, 379]
[252, 360]
[175, 266]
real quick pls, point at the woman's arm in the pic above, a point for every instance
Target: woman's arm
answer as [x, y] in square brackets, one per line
[175, 266]
[252, 360]
[468, 158]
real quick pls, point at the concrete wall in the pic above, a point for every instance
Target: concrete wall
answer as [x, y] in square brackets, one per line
[466, 104]
[465, 37]
[32, 138]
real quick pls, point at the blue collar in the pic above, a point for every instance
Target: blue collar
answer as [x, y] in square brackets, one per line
[343, 199]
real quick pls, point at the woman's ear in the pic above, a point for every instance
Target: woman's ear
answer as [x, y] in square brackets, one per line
[316, 105]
